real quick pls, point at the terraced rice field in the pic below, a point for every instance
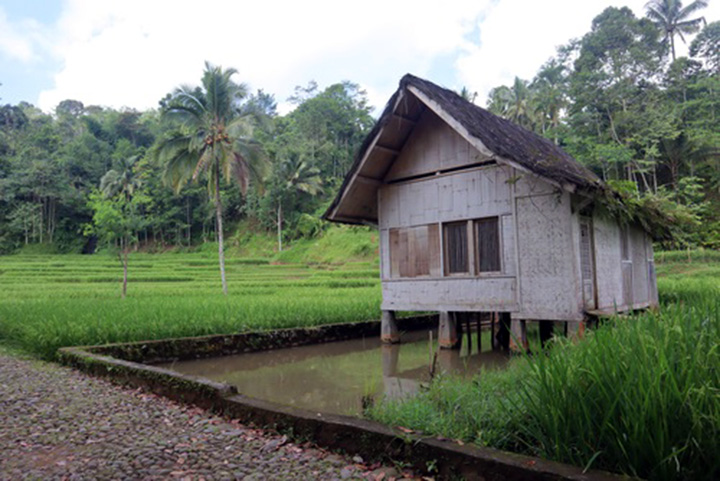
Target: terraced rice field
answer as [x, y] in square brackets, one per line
[50, 301]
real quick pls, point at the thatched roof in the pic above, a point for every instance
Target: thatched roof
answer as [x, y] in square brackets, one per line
[501, 140]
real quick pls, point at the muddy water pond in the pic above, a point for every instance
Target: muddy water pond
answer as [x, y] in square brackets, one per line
[334, 377]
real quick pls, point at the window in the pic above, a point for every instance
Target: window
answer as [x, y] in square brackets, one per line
[487, 235]
[469, 247]
[415, 251]
[456, 248]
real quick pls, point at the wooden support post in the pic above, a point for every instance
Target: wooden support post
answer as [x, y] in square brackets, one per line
[478, 319]
[575, 329]
[389, 333]
[447, 331]
[518, 337]
[546, 332]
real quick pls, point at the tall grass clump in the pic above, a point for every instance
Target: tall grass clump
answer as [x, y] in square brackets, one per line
[639, 396]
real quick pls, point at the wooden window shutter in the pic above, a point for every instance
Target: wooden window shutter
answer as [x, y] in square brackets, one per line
[414, 251]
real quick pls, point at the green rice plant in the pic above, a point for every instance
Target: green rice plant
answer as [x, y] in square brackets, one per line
[45, 305]
[686, 256]
[640, 396]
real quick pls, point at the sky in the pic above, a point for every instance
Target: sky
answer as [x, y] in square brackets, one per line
[131, 53]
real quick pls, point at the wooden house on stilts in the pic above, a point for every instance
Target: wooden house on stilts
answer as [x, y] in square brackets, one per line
[478, 215]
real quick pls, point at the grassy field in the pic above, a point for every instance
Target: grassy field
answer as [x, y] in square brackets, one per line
[50, 301]
[639, 395]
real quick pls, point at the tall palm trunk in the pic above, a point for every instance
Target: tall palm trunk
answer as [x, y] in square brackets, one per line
[218, 216]
[672, 44]
[279, 226]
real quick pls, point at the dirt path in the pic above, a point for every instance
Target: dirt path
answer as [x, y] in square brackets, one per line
[56, 423]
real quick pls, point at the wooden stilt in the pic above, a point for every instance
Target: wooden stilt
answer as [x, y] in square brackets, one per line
[518, 338]
[447, 331]
[389, 332]
[575, 329]
[478, 319]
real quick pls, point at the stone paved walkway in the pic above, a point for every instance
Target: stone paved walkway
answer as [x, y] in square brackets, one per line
[57, 423]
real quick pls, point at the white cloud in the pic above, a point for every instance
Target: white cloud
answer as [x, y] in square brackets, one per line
[17, 40]
[131, 53]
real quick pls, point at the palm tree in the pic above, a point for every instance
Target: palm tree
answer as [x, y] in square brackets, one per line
[521, 110]
[467, 95]
[514, 103]
[550, 96]
[121, 179]
[213, 135]
[499, 100]
[294, 175]
[121, 183]
[673, 19]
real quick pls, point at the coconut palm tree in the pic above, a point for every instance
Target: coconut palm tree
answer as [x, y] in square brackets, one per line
[294, 175]
[499, 100]
[212, 136]
[120, 184]
[674, 19]
[550, 97]
[121, 179]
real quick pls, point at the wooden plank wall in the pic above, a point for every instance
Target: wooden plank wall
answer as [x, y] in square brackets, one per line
[451, 294]
[607, 262]
[474, 194]
[432, 146]
[639, 255]
[417, 204]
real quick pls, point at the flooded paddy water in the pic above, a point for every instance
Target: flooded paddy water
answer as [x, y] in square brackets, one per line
[335, 377]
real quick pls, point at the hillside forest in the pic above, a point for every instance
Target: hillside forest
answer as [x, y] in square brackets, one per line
[620, 99]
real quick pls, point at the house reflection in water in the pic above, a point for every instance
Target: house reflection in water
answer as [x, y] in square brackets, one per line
[399, 383]
[336, 377]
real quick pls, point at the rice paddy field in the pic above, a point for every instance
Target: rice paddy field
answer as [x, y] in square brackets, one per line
[50, 301]
[640, 395]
